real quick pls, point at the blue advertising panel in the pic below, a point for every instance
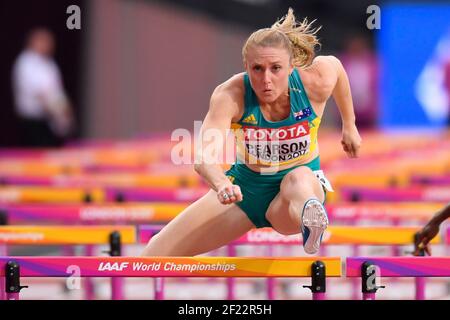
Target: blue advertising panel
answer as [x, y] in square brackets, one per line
[414, 48]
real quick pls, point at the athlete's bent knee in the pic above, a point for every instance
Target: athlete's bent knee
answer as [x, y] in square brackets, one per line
[297, 180]
[298, 176]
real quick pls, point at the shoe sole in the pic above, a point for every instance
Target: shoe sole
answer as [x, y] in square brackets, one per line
[315, 219]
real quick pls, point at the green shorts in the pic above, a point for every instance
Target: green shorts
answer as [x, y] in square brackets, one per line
[259, 190]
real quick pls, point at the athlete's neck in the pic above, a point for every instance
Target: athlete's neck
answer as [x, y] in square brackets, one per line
[279, 107]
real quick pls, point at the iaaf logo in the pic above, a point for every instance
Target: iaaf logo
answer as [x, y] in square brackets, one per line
[115, 266]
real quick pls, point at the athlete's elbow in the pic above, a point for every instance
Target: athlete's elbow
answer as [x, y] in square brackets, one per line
[198, 167]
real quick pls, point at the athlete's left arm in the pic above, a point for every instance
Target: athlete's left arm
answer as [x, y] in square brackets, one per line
[351, 140]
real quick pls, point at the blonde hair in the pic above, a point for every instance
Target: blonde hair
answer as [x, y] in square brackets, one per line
[298, 38]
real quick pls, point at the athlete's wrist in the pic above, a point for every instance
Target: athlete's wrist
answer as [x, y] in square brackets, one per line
[220, 185]
[348, 123]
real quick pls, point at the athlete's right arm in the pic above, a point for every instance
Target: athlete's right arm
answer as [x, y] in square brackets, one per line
[225, 106]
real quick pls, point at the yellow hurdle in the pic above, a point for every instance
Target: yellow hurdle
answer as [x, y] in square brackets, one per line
[351, 235]
[64, 235]
[50, 194]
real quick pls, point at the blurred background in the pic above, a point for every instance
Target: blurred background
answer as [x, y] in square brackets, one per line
[130, 72]
[132, 63]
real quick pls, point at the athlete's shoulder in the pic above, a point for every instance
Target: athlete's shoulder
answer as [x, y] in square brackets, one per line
[329, 59]
[328, 63]
[233, 86]
[323, 68]
[230, 95]
[232, 89]
[320, 77]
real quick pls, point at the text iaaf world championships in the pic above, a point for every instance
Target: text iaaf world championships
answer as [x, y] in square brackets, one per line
[168, 266]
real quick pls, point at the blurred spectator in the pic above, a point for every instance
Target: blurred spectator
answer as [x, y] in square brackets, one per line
[44, 111]
[361, 65]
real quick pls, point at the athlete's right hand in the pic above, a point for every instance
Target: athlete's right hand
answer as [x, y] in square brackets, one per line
[229, 193]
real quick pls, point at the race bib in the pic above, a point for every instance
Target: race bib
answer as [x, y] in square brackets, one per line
[277, 145]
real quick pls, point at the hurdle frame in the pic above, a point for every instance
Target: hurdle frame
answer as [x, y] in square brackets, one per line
[372, 268]
[14, 268]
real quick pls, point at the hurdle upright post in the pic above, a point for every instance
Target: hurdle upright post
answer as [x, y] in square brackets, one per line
[271, 282]
[89, 251]
[89, 284]
[447, 250]
[419, 281]
[231, 251]
[318, 280]
[368, 280]
[115, 246]
[159, 288]
[3, 252]
[12, 280]
[158, 284]
[355, 281]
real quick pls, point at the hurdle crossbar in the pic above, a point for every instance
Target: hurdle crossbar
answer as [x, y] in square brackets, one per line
[55, 266]
[368, 268]
[64, 235]
[69, 214]
[401, 266]
[12, 268]
[367, 235]
[379, 210]
[47, 194]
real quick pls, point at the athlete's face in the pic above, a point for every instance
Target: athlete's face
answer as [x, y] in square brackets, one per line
[268, 69]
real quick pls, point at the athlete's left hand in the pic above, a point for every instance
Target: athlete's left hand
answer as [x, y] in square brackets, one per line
[351, 140]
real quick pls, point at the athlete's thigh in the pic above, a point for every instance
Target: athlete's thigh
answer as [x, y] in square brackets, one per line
[203, 226]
